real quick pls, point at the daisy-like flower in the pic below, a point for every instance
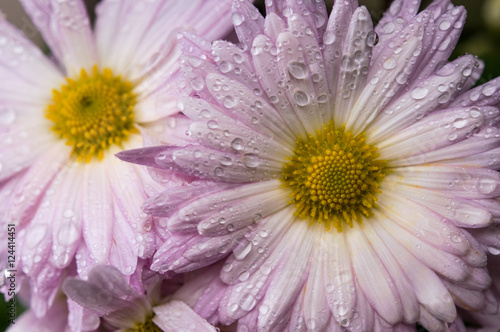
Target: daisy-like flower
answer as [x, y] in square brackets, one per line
[63, 118]
[339, 166]
[123, 308]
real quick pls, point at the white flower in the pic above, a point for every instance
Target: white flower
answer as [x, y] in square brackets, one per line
[63, 118]
[339, 169]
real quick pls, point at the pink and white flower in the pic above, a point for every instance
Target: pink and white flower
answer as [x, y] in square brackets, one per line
[63, 117]
[340, 168]
[107, 294]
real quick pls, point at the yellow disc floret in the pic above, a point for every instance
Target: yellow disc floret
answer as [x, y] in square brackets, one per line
[93, 112]
[334, 177]
[146, 326]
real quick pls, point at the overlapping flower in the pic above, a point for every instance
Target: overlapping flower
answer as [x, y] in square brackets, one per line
[339, 168]
[63, 117]
[326, 175]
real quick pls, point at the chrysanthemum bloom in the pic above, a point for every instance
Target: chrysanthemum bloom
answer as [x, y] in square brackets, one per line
[123, 308]
[339, 167]
[62, 119]
[479, 321]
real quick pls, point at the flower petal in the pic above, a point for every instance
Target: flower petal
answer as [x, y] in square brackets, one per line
[422, 98]
[66, 29]
[176, 315]
[466, 181]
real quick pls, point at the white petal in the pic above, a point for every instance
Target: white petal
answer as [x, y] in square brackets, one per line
[21, 64]
[356, 57]
[97, 211]
[34, 183]
[315, 308]
[339, 278]
[178, 316]
[464, 181]
[66, 28]
[370, 271]
[67, 217]
[422, 98]
[427, 286]
[460, 211]
[404, 288]
[20, 150]
[284, 286]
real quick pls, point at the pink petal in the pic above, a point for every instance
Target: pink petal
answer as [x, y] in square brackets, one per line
[66, 29]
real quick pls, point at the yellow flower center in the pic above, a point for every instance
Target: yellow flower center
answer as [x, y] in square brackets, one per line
[93, 113]
[334, 177]
[147, 326]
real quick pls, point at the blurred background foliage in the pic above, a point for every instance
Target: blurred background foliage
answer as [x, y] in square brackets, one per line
[481, 37]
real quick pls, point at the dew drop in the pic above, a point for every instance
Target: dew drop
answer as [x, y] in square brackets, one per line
[244, 276]
[371, 38]
[229, 102]
[237, 144]
[459, 123]
[226, 161]
[388, 28]
[197, 84]
[238, 19]
[251, 160]
[301, 98]
[212, 124]
[247, 302]
[218, 171]
[445, 25]
[322, 98]
[205, 113]
[419, 93]
[68, 234]
[297, 69]
[486, 186]
[474, 112]
[488, 90]
[328, 38]
[389, 63]
[467, 71]
[225, 66]
[238, 58]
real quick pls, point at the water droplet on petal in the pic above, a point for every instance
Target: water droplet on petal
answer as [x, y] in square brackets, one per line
[218, 171]
[225, 66]
[247, 302]
[237, 19]
[237, 144]
[297, 69]
[301, 98]
[459, 123]
[445, 25]
[229, 102]
[419, 92]
[328, 38]
[238, 58]
[251, 160]
[68, 234]
[389, 63]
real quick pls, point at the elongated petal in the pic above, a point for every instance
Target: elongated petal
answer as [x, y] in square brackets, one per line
[66, 28]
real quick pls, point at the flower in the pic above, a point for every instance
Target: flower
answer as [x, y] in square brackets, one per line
[107, 294]
[339, 166]
[55, 319]
[63, 118]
